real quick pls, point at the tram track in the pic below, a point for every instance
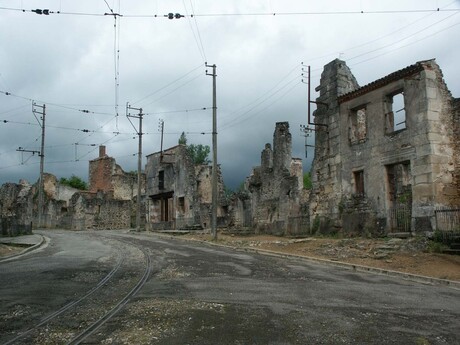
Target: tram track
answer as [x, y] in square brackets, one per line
[101, 302]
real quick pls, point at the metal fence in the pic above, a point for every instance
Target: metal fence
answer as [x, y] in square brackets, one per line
[447, 219]
[400, 218]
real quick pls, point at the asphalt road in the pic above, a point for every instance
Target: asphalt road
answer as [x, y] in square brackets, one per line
[110, 287]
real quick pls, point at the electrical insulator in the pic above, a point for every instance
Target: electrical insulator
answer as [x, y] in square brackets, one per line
[171, 15]
[178, 15]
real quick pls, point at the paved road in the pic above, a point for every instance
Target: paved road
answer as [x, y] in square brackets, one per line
[111, 287]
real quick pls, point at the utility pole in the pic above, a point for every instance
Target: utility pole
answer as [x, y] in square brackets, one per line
[214, 154]
[161, 128]
[40, 110]
[139, 160]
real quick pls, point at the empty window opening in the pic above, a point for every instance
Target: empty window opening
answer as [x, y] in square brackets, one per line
[359, 182]
[395, 113]
[181, 204]
[358, 126]
[161, 180]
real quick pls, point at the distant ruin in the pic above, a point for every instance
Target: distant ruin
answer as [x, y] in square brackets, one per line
[273, 199]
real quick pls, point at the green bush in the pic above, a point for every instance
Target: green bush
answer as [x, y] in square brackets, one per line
[74, 182]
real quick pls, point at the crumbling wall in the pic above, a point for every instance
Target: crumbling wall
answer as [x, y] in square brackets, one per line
[180, 192]
[272, 196]
[16, 208]
[456, 147]
[336, 80]
[383, 166]
[99, 211]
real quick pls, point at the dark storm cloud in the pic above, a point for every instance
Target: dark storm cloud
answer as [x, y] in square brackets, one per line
[68, 62]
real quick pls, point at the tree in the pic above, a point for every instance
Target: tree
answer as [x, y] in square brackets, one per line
[74, 182]
[199, 153]
[183, 139]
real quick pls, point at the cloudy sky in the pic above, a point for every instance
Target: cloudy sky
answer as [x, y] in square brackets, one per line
[85, 66]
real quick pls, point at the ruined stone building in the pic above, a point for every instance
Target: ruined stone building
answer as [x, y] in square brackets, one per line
[387, 155]
[16, 208]
[109, 203]
[273, 200]
[110, 200]
[179, 192]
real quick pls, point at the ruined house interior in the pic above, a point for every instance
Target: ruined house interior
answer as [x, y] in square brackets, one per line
[387, 160]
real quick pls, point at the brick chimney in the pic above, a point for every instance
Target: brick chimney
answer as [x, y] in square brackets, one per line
[102, 151]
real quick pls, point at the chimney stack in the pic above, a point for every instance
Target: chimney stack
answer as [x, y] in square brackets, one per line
[102, 151]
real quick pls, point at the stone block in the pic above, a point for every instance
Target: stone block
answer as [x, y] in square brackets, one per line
[432, 92]
[423, 178]
[422, 190]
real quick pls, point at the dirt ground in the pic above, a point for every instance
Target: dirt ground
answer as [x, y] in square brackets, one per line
[9, 250]
[412, 255]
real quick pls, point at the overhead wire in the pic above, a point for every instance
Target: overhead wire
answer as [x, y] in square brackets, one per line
[168, 85]
[402, 39]
[258, 14]
[197, 36]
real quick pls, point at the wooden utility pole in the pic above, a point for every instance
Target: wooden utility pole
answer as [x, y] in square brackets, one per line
[40, 110]
[214, 153]
[139, 160]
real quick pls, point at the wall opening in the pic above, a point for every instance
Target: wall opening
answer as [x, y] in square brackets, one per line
[181, 204]
[161, 180]
[395, 113]
[359, 182]
[399, 191]
[357, 131]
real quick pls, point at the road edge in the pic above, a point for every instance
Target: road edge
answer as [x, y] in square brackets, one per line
[25, 251]
[353, 267]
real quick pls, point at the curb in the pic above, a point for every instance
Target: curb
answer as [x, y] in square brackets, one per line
[28, 249]
[353, 267]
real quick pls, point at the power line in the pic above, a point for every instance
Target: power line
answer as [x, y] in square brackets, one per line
[178, 111]
[169, 84]
[258, 14]
[6, 93]
[402, 39]
[198, 40]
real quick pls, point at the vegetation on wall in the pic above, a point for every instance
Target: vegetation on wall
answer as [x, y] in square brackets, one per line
[74, 182]
[307, 184]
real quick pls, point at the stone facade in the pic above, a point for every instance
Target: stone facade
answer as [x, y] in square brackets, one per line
[387, 154]
[179, 192]
[16, 208]
[273, 198]
[105, 175]
[110, 202]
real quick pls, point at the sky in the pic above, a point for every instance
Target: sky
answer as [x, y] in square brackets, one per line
[88, 59]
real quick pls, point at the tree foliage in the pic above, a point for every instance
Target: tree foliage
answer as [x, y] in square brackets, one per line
[74, 182]
[307, 184]
[183, 139]
[199, 153]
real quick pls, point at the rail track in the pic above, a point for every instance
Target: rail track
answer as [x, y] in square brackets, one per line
[65, 313]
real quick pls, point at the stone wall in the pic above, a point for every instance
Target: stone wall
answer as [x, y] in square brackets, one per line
[99, 211]
[179, 192]
[387, 156]
[273, 196]
[16, 208]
